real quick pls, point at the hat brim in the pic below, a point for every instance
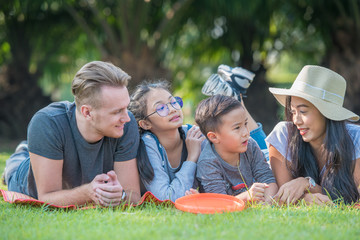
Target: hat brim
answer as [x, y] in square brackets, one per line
[329, 110]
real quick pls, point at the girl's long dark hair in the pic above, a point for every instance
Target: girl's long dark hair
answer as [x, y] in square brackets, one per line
[138, 106]
[145, 169]
[339, 152]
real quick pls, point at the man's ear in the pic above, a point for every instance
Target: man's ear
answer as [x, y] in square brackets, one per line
[86, 111]
[144, 124]
[212, 136]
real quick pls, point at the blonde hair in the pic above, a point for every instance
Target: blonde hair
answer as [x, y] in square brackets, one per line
[88, 81]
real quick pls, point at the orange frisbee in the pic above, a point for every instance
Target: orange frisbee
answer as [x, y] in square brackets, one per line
[208, 203]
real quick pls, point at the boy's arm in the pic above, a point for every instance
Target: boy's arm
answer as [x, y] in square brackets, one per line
[264, 187]
[255, 193]
[260, 168]
[209, 174]
[259, 192]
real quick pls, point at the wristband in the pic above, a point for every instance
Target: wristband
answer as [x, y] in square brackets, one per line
[123, 195]
[312, 182]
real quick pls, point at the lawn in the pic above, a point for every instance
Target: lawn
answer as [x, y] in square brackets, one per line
[154, 222]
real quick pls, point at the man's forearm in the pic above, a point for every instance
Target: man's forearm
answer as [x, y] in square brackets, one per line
[76, 196]
[132, 196]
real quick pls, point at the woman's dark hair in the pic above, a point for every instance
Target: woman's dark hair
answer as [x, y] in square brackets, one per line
[138, 106]
[339, 151]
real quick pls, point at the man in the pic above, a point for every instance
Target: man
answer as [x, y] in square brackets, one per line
[84, 151]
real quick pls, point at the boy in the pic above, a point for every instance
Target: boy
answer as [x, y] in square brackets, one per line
[231, 162]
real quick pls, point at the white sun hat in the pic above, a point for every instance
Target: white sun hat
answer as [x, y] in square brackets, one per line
[322, 87]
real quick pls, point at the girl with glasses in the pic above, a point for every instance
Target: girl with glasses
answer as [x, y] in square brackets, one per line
[168, 150]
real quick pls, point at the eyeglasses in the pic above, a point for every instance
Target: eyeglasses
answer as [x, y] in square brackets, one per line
[163, 109]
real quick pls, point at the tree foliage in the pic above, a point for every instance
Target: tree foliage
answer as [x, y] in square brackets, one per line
[130, 33]
[326, 33]
[184, 40]
[29, 44]
[236, 33]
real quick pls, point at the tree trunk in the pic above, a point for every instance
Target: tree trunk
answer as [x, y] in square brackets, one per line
[20, 95]
[344, 59]
[19, 101]
[350, 70]
[260, 103]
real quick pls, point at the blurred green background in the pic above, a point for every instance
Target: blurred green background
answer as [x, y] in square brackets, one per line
[43, 43]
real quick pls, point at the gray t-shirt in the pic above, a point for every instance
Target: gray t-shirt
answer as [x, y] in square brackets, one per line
[217, 176]
[53, 133]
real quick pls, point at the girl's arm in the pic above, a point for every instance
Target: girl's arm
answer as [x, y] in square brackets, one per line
[161, 186]
[193, 141]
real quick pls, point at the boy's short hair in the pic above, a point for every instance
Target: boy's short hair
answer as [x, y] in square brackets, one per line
[210, 110]
[88, 81]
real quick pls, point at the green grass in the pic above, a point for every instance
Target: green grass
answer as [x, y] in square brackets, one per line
[3, 157]
[154, 222]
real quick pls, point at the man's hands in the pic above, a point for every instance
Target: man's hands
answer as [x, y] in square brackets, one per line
[106, 190]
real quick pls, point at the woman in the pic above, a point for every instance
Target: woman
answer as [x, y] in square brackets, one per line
[315, 154]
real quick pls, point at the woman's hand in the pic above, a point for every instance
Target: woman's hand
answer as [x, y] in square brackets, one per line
[317, 198]
[193, 141]
[291, 191]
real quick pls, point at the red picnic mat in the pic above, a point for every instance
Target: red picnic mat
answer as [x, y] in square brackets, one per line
[22, 199]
